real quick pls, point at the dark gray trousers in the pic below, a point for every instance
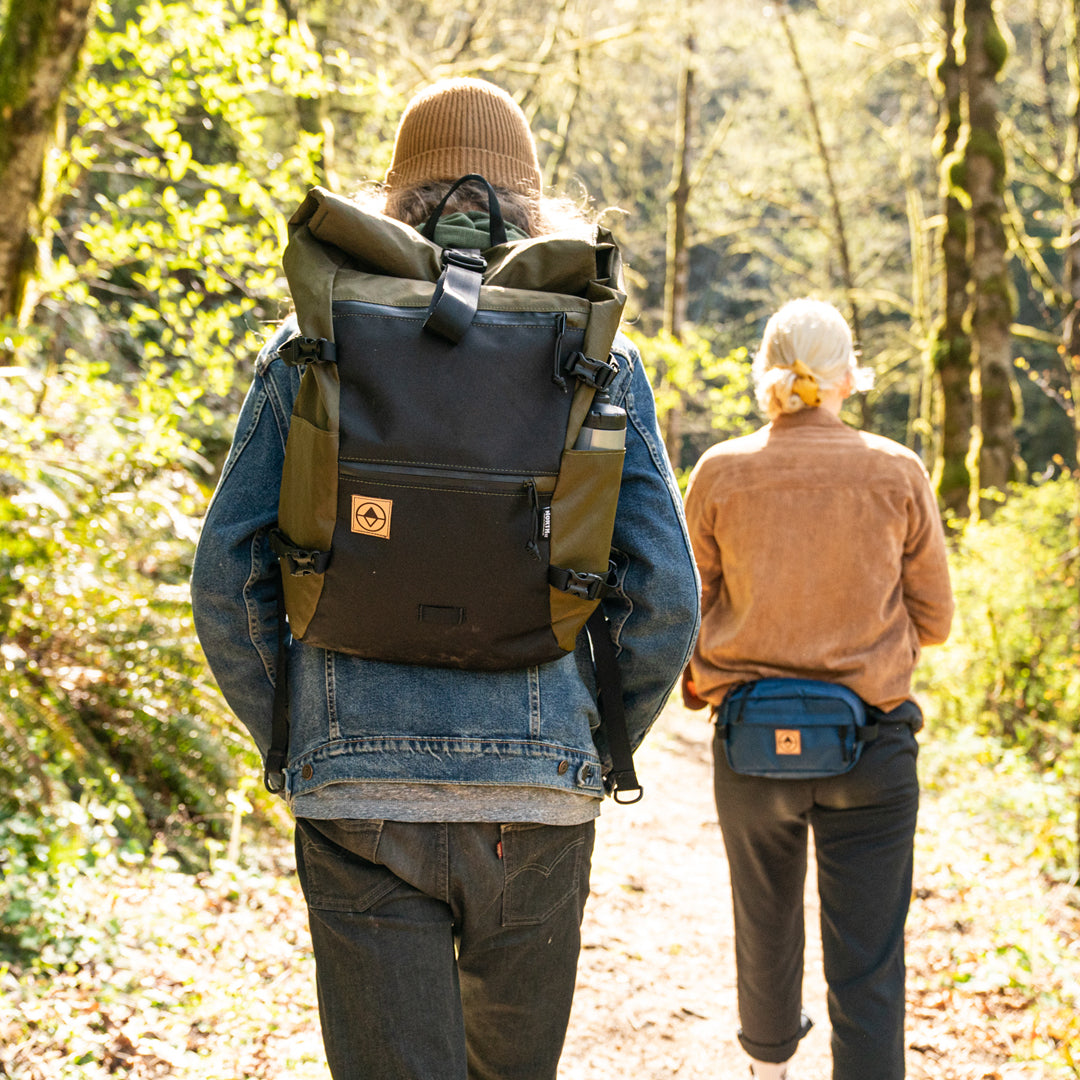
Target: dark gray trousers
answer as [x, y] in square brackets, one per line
[864, 829]
[444, 951]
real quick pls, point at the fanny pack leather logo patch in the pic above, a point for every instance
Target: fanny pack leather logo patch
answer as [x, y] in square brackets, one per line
[788, 742]
[371, 517]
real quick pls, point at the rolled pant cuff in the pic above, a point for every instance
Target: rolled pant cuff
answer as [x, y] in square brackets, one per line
[776, 1053]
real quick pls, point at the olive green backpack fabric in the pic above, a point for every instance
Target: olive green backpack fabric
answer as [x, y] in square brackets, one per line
[433, 510]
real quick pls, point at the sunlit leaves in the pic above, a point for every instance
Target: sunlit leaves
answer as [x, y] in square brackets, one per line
[1012, 665]
[182, 159]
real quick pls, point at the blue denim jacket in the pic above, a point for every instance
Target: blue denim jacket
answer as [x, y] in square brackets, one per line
[355, 720]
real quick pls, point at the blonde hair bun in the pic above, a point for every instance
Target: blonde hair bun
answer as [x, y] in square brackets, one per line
[807, 348]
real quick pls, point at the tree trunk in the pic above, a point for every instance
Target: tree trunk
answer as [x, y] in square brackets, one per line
[39, 50]
[677, 268]
[1072, 301]
[1071, 245]
[952, 343]
[985, 52]
[833, 191]
[566, 120]
[676, 278]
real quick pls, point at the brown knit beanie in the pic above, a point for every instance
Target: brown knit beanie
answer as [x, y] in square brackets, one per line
[460, 126]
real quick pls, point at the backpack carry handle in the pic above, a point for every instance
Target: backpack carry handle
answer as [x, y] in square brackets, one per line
[497, 229]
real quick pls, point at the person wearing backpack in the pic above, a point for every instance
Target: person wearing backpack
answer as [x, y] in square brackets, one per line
[444, 814]
[823, 566]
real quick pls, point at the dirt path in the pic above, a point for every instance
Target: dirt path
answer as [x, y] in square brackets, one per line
[993, 953]
[656, 982]
[211, 977]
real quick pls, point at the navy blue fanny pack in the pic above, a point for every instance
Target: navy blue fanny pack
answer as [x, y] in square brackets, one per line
[800, 729]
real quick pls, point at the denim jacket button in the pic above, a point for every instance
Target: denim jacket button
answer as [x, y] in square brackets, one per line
[563, 766]
[307, 772]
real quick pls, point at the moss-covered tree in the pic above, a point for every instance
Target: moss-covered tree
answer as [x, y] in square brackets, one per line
[984, 55]
[952, 343]
[1071, 240]
[39, 50]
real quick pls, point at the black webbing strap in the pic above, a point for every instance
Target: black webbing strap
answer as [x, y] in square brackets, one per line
[496, 226]
[620, 777]
[457, 294]
[907, 712]
[274, 772]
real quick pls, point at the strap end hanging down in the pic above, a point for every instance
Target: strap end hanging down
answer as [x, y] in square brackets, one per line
[457, 294]
[620, 781]
[277, 755]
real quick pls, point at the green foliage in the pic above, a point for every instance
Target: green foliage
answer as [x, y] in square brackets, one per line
[103, 685]
[1011, 668]
[713, 392]
[1001, 789]
[43, 916]
[175, 178]
[168, 203]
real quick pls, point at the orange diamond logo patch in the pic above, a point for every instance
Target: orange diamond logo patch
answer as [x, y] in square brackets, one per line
[788, 742]
[371, 517]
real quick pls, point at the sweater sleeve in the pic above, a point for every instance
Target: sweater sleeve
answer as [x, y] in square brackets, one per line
[700, 516]
[927, 590]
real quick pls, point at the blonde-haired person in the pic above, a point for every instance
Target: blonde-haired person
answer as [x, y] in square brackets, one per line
[822, 557]
[445, 903]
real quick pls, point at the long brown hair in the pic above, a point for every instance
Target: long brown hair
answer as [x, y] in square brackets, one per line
[535, 215]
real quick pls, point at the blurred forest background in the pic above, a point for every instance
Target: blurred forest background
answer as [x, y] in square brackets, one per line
[914, 161]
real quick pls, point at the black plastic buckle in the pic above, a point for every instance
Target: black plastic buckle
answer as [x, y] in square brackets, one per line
[303, 563]
[305, 350]
[598, 373]
[584, 585]
[467, 260]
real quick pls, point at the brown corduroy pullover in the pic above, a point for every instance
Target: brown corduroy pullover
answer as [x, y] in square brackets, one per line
[822, 556]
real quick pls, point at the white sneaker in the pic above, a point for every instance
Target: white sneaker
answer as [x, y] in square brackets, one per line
[767, 1070]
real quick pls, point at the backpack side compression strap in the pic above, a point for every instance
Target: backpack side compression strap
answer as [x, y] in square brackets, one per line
[277, 755]
[621, 777]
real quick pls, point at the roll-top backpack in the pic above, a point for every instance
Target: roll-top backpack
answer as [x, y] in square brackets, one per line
[434, 509]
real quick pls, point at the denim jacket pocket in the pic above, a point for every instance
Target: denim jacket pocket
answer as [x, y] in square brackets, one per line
[544, 866]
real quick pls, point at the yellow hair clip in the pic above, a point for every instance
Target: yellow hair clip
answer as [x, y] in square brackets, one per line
[805, 384]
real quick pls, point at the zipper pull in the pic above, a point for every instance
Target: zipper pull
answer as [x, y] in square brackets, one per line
[560, 329]
[541, 520]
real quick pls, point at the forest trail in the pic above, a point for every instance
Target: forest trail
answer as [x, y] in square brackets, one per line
[656, 983]
[210, 977]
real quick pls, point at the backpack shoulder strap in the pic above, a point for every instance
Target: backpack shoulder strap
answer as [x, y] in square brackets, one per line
[620, 777]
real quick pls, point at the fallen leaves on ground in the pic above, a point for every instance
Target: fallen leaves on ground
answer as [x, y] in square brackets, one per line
[210, 977]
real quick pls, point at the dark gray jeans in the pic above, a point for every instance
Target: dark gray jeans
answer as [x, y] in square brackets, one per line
[864, 829]
[444, 951]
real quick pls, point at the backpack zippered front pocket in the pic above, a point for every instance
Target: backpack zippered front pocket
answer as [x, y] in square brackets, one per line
[427, 567]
